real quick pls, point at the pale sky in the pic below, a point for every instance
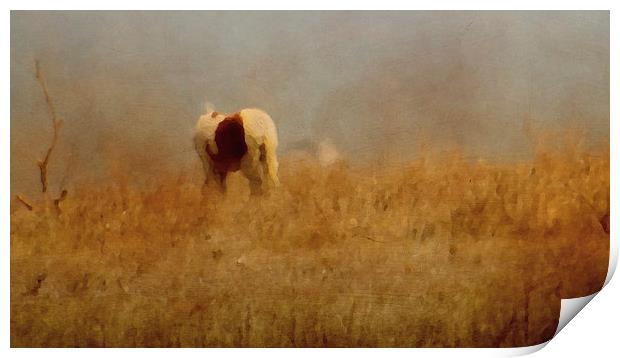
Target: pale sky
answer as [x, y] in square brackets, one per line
[365, 80]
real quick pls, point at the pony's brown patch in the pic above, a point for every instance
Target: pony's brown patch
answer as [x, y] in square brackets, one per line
[231, 146]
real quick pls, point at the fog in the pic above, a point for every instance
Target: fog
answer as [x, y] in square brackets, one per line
[376, 84]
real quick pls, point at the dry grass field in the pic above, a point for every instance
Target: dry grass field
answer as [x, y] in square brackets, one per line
[442, 251]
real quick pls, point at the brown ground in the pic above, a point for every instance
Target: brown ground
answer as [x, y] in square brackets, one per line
[442, 252]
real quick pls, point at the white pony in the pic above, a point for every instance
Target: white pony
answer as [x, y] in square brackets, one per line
[246, 141]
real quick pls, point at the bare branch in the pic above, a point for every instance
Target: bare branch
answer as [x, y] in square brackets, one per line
[23, 201]
[371, 239]
[55, 125]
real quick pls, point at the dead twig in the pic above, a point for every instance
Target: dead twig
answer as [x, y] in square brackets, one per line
[23, 201]
[371, 239]
[55, 125]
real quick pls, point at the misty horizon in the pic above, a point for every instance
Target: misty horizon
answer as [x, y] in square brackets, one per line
[372, 83]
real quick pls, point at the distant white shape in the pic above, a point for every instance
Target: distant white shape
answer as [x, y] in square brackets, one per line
[327, 153]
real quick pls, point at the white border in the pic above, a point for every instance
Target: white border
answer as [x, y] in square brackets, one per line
[574, 339]
[5, 149]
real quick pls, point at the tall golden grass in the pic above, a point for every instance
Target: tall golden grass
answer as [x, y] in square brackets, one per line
[441, 251]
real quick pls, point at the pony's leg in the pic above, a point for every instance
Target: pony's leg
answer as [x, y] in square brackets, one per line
[255, 178]
[270, 165]
[252, 169]
[221, 180]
